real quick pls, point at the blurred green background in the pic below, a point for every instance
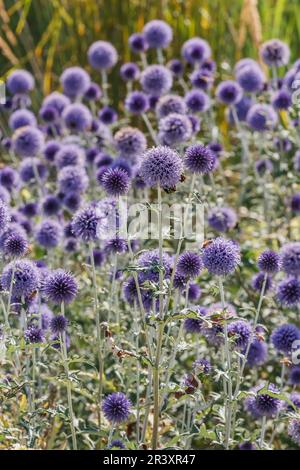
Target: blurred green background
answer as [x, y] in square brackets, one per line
[47, 35]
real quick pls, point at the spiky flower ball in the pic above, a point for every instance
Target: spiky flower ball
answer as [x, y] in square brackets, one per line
[58, 324]
[197, 101]
[199, 159]
[24, 277]
[149, 264]
[290, 258]
[251, 78]
[48, 233]
[195, 325]
[257, 354]
[174, 129]
[20, 82]
[69, 154]
[258, 281]
[261, 117]
[85, 223]
[15, 245]
[189, 264]
[195, 50]
[269, 262]
[77, 117]
[221, 257]
[202, 366]
[222, 219]
[156, 80]
[229, 92]
[158, 34]
[116, 407]
[102, 55]
[130, 142]
[161, 166]
[288, 292]
[34, 334]
[138, 43]
[240, 332]
[115, 181]
[72, 179]
[28, 141]
[137, 102]
[51, 205]
[275, 53]
[284, 336]
[75, 81]
[263, 404]
[170, 104]
[294, 375]
[60, 287]
[21, 118]
[294, 430]
[281, 100]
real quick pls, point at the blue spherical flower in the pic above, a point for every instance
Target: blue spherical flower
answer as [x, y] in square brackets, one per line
[257, 354]
[288, 292]
[116, 444]
[247, 445]
[48, 114]
[77, 117]
[115, 245]
[75, 81]
[221, 256]
[263, 166]
[245, 62]
[158, 34]
[294, 430]
[4, 217]
[295, 203]
[138, 43]
[195, 325]
[240, 332]
[261, 117]
[130, 142]
[170, 104]
[72, 179]
[69, 154]
[108, 115]
[15, 245]
[202, 366]
[174, 129]
[269, 262]
[48, 233]
[116, 407]
[60, 286]
[93, 92]
[194, 292]
[29, 167]
[199, 159]
[25, 277]
[137, 102]
[115, 181]
[263, 404]
[258, 280]
[19, 82]
[51, 205]
[28, 141]
[21, 118]
[197, 101]
[202, 79]
[176, 67]
[161, 166]
[129, 71]
[275, 53]
[195, 50]
[282, 100]
[250, 78]
[294, 375]
[102, 55]
[241, 108]
[58, 324]
[57, 101]
[189, 264]
[156, 80]
[290, 258]
[149, 262]
[34, 334]
[222, 219]
[85, 223]
[50, 150]
[229, 92]
[284, 336]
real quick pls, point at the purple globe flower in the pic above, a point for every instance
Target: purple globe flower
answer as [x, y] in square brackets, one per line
[28, 141]
[257, 354]
[161, 166]
[51, 205]
[174, 129]
[48, 114]
[21, 118]
[72, 201]
[294, 375]
[221, 256]
[222, 219]
[25, 277]
[15, 245]
[229, 92]
[98, 257]
[197, 101]
[250, 78]
[102, 55]
[245, 62]
[269, 262]
[138, 43]
[202, 366]
[202, 79]
[48, 233]
[275, 53]
[108, 115]
[199, 159]
[115, 245]
[69, 154]
[19, 82]
[149, 261]
[288, 292]
[261, 117]
[85, 223]
[240, 332]
[72, 179]
[129, 71]
[57, 101]
[290, 258]
[60, 287]
[137, 102]
[194, 292]
[195, 325]
[156, 80]
[115, 181]
[281, 100]
[116, 407]
[29, 167]
[77, 117]
[263, 166]
[247, 445]
[295, 203]
[169, 104]
[93, 92]
[75, 81]
[176, 67]
[294, 430]
[241, 108]
[9, 178]
[34, 334]
[50, 150]
[284, 336]
[158, 34]
[116, 444]
[4, 217]
[58, 324]
[195, 50]
[130, 142]
[189, 264]
[263, 404]
[258, 280]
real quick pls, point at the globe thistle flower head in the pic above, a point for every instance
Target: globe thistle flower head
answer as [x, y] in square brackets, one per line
[48, 114]
[34, 334]
[138, 43]
[269, 262]
[108, 115]
[137, 102]
[245, 62]
[129, 71]
[75, 81]
[295, 399]
[50, 150]
[195, 122]
[29, 167]
[257, 354]
[199, 159]
[72, 201]
[241, 108]
[197, 101]
[195, 51]
[77, 117]
[214, 335]
[130, 142]
[116, 407]
[98, 257]
[21, 118]
[4, 217]
[85, 223]
[247, 445]
[174, 129]
[294, 430]
[275, 53]
[194, 292]
[15, 245]
[115, 181]
[176, 67]
[195, 325]
[189, 264]
[222, 219]
[221, 257]
[202, 366]
[51, 205]
[288, 292]
[58, 324]
[149, 262]
[116, 444]
[57, 101]
[102, 55]
[72, 179]
[201, 79]
[158, 34]
[115, 245]
[290, 258]
[156, 80]
[69, 154]
[180, 281]
[240, 332]
[263, 166]
[250, 78]
[295, 203]
[48, 233]
[229, 92]
[93, 92]
[161, 166]
[284, 336]
[263, 404]
[20, 82]
[130, 291]
[28, 141]
[261, 117]
[170, 104]
[24, 276]
[60, 287]
[281, 100]
[294, 375]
